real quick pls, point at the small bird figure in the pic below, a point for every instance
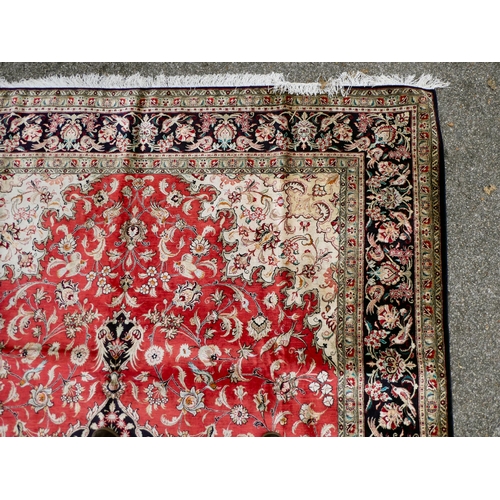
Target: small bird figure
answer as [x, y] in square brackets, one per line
[204, 376]
[405, 396]
[170, 122]
[110, 213]
[33, 373]
[360, 144]
[71, 268]
[243, 143]
[375, 293]
[280, 120]
[161, 214]
[403, 334]
[204, 144]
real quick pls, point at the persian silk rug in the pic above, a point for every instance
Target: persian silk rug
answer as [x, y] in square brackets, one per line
[221, 257]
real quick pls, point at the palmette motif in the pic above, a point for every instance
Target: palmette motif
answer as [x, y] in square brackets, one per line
[225, 263]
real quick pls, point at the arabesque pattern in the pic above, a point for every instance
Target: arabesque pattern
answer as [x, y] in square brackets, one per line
[220, 262]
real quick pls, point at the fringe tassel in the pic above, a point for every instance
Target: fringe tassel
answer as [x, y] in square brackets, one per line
[341, 84]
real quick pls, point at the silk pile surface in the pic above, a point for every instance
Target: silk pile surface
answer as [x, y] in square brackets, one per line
[221, 262]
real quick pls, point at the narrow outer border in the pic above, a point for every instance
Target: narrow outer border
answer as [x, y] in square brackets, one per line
[444, 265]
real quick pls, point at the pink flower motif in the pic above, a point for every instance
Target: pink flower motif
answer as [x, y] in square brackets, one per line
[264, 133]
[374, 391]
[185, 133]
[388, 316]
[391, 365]
[32, 132]
[389, 273]
[388, 232]
[391, 416]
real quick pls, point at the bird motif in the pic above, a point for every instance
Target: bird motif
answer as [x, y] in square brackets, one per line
[204, 144]
[403, 334]
[374, 293]
[360, 144]
[71, 268]
[405, 396]
[161, 214]
[33, 373]
[280, 120]
[243, 143]
[170, 122]
[189, 269]
[203, 376]
[110, 213]
[375, 251]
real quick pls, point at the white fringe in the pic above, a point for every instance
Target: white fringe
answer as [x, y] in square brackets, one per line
[343, 83]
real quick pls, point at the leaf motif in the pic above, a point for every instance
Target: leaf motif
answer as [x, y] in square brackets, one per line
[182, 376]
[281, 315]
[275, 365]
[135, 391]
[52, 319]
[269, 343]
[169, 423]
[114, 185]
[114, 255]
[13, 395]
[325, 430]
[21, 293]
[195, 321]
[168, 348]
[91, 392]
[52, 372]
[186, 207]
[86, 376]
[163, 187]
[279, 416]
[295, 425]
[237, 331]
[147, 255]
[312, 367]
[87, 206]
[222, 400]
[57, 420]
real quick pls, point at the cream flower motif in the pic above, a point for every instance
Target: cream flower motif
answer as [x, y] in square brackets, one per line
[40, 398]
[30, 352]
[67, 245]
[285, 387]
[66, 293]
[323, 376]
[71, 393]
[184, 352]
[308, 416]
[259, 327]
[191, 401]
[4, 368]
[79, 354]
[391, 416]
[156, 394]
[271, 300]
[261, 400]
[154, 355]
[328, 401]
[200, 246]
[314, 387]
[239, 415]
[209, 354]
[187, 295]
